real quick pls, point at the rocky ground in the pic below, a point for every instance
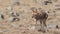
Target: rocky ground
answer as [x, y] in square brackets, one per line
[21, 21]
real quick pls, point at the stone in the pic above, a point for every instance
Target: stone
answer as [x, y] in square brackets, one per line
[13, 19]
[9, 8]
[52, 26]
[1, 15]
[14, 14]
[16, 2]
[45, 2]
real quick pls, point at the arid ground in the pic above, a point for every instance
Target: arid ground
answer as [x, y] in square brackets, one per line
[26, 24]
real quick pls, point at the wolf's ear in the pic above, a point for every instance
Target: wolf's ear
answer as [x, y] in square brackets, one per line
[33, 9]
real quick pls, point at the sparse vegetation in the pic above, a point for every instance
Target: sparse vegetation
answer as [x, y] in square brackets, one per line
[16, 16]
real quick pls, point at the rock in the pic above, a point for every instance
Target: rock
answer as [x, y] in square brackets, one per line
[45, 2]
[34, 9]
[5, 30]
[52, 26]
[9, 8]
[14, 14]
[16, 2]
[57, 6]
[31, 27]
[57, 26]
[1, 15]
[12, 19]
